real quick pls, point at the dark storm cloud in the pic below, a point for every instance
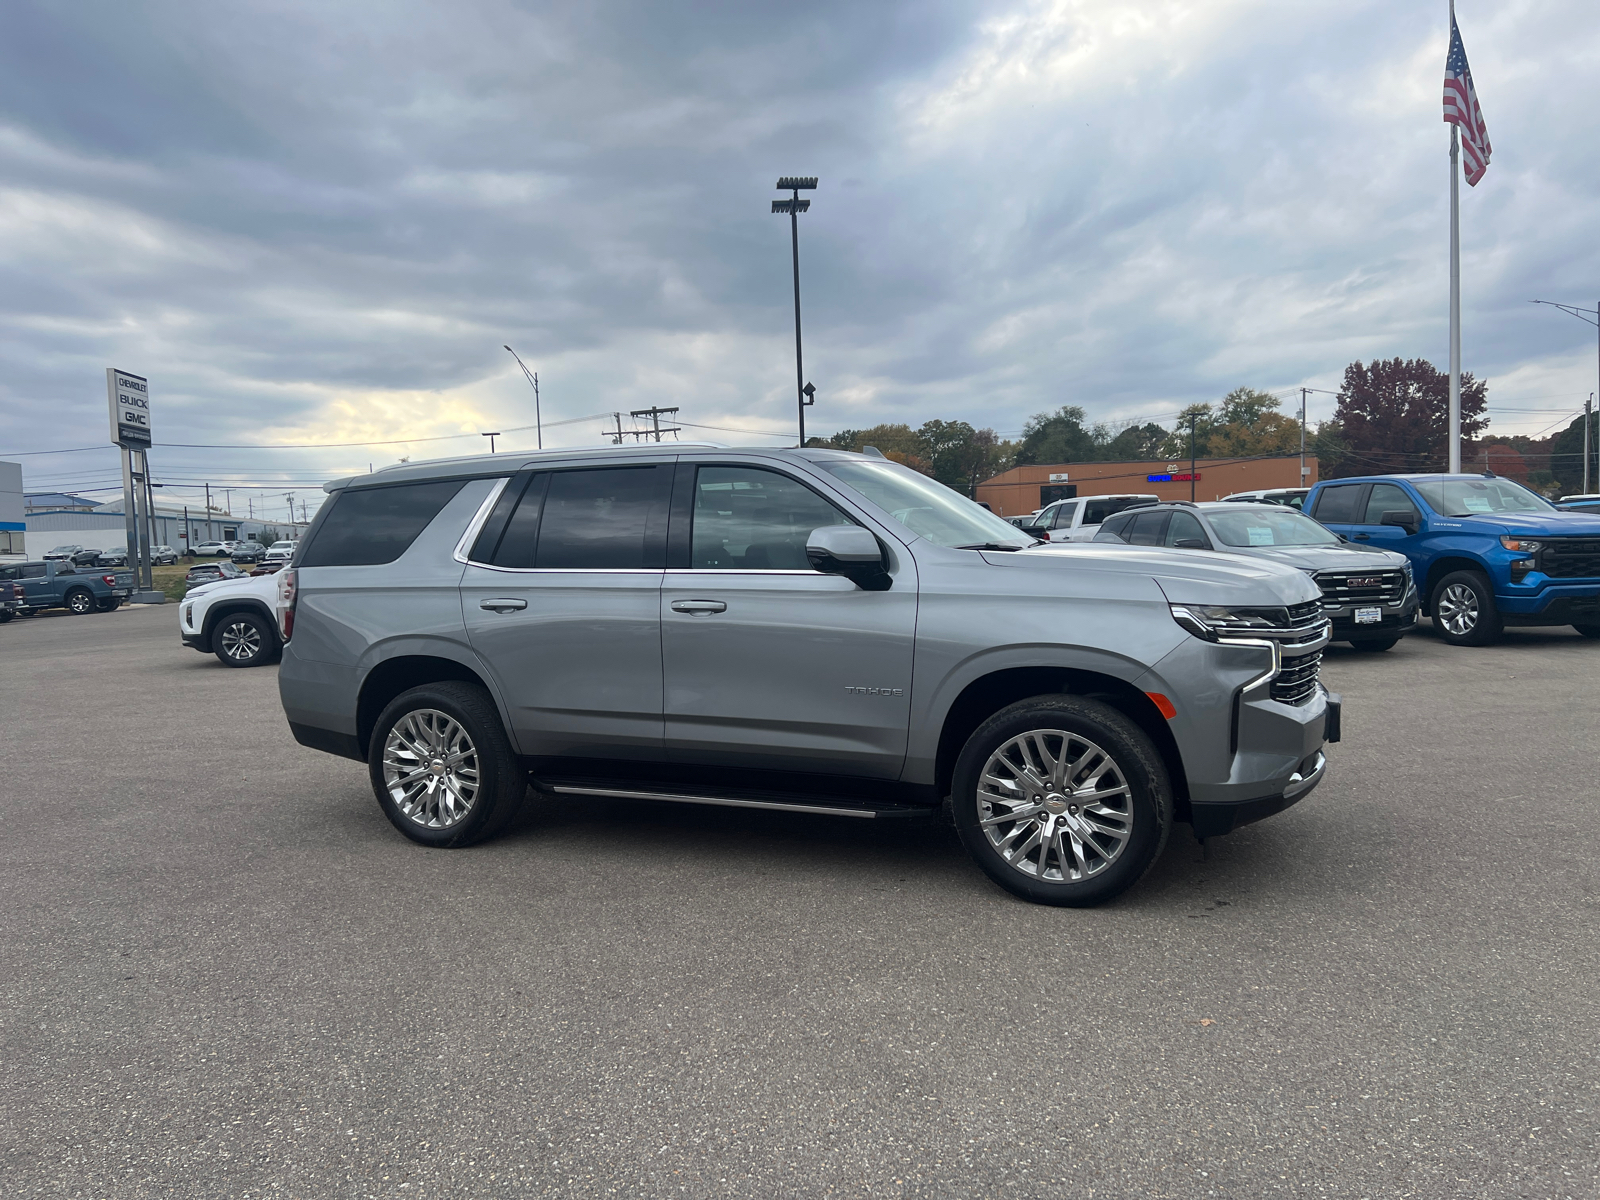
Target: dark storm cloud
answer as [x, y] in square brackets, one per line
[323, 221]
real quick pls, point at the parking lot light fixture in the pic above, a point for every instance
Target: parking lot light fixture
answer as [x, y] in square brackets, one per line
[794, 206]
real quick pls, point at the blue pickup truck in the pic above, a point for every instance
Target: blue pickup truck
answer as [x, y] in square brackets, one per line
[1486, 551]
[58, 584]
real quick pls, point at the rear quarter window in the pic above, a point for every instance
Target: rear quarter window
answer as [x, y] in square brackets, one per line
[370, 526]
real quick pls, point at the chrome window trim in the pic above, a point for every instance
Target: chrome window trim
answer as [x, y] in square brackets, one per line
[475, 526]
[720, 573]
[482, 566]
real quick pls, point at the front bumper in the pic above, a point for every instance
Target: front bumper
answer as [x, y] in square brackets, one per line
[1394, 619]
[1555, 604]
[195, 641]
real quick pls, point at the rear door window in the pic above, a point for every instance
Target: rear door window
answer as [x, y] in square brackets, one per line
[1340, 505]
[374, 525]
[605, 519]
[1064, 515]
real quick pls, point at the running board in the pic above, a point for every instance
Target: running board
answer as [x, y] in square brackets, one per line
[749, 800]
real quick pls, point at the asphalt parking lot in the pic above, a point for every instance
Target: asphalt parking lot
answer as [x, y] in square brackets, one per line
[222, 973]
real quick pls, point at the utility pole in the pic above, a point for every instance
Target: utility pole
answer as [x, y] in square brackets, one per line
[1587, 406]
[794, 207]
[209, 535]
[1192, 460]
[1593, 318]
[533, 378]
[227, 503]
[289, 496]
[1303, 392]
[655, 415]
[614, 434]
[188, 539]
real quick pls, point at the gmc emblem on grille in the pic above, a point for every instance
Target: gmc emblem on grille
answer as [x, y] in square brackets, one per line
[1364, 581]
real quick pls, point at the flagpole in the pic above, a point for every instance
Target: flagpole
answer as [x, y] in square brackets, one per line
[1455, 289]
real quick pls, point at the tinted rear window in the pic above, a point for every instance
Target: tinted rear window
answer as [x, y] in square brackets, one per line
[1338, 504]
[367, 526]
[613, 518]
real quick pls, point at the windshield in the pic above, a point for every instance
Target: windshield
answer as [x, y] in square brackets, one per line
[927, 507]
[1269, 525]
[1479, 497]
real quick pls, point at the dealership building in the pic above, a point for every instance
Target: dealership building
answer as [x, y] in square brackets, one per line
[1023, 490]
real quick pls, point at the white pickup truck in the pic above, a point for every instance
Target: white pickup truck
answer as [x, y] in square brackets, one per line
[235, 619]
[1079, 520]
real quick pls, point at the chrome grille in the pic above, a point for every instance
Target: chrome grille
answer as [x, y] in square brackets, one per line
[1305, 616]
[1297, 681]
[1361, 587]
[1571, 558]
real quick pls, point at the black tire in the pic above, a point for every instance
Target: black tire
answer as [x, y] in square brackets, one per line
[5, 615]
[80, 601]
[1375, 644]
[1588, 631]
[110, 605]
[243, 639]
[1464, 612]
[502, 783]
[1141, 814]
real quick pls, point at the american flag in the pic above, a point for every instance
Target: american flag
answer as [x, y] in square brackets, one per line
[1461, 108]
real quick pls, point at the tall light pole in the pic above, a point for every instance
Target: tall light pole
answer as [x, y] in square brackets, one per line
[533, 378]
[794, 207]
[1583, 314]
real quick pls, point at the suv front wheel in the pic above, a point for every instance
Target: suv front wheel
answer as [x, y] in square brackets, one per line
[442, 766]
[1062, 800]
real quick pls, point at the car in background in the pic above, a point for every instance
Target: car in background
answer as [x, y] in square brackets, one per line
[1583, 504]
[269, 566]
[58, 584]
[1079, 520]
[235, 619]
[1288, 497]
[1486, 551]
[210, 572]
[1367, 593]
[248, 552]
[10, 600]
[163, 556]
[61, 553]
[212, 549]
[281, 552]
[111, 558]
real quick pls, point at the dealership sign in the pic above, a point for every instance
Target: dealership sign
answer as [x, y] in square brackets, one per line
[129, 397]
[1184, 478]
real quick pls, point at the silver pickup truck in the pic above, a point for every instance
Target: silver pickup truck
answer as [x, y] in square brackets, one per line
[804, 630]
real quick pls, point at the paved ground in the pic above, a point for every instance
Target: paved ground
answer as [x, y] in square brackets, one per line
[223, 974]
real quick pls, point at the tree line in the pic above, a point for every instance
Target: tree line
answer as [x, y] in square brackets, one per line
[1391, 417]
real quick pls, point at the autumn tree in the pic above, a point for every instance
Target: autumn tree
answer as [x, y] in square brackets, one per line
[1394, 415]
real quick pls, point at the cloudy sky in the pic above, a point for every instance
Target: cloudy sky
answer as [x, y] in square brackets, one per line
[318, 224]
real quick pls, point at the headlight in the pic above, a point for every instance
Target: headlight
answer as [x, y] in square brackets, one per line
[1211, 621]
[1520, 544]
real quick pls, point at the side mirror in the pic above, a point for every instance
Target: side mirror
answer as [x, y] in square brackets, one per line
[1041, 532]
[851, 551]
[1403, 517]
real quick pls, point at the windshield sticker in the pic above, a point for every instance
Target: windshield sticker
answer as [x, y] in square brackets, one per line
[1478, 504]
[1260, 536]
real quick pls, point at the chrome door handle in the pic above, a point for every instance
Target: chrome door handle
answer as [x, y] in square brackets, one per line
[1363, 537]
[699, 607]
[502, 604]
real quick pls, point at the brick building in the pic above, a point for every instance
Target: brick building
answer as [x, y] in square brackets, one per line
[1021, 490]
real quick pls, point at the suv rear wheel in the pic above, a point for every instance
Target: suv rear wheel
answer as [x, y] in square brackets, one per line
[442, 766]
[1062, 800]
[1464, 611]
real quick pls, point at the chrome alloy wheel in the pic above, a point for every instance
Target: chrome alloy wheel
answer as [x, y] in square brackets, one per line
[1458, 609]
[240, 640]
[1055, 806]
[430, 767]
[80, 602]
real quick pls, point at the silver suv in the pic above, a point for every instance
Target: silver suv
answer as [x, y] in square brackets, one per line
[806, 630]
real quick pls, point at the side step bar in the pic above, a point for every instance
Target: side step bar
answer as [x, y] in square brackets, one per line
[749, 800]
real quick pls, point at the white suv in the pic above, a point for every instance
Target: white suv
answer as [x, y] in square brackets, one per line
[235, 619]
[1079, 520]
